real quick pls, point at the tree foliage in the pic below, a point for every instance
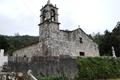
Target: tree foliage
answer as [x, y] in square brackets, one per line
[107, 40]
[4, 43]
[116, 39]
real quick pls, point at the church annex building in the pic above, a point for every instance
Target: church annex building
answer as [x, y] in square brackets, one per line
[56, 42]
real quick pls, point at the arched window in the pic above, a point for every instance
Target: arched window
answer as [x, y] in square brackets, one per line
[52, 15]
[44, 15]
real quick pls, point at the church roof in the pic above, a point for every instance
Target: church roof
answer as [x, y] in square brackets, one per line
[73, 30]
[68, 31]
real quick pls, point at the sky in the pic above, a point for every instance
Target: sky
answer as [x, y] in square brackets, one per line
[93, 16]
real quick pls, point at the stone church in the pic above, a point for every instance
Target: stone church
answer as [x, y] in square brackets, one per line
[56, 42]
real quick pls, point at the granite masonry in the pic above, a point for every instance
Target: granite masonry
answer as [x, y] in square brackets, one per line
[57, 50]
[56, 42]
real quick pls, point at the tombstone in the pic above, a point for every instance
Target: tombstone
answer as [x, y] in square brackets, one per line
[30, 74]
[4, 77]
[1, 52]
[20, 76]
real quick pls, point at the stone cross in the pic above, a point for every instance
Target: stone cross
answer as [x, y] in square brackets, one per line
[113, 52]
[78, 26]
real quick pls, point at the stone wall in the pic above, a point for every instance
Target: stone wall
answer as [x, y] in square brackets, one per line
[62, 43]
[68, 43]
[44, 65]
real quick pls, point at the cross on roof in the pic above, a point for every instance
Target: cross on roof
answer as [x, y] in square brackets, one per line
[48, 2]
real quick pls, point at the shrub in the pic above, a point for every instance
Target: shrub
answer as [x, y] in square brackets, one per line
[98, 68]
[53, 78]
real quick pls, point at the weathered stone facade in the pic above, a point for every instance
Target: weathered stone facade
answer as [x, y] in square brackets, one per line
[56, 42]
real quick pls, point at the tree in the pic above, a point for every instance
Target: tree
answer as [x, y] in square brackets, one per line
[4, 43]
[104, 43]
[107, 43]
[107, 40]
[116, 39]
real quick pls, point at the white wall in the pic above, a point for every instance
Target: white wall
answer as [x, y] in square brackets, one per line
[2, 57]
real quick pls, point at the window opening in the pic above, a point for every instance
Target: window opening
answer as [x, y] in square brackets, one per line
[80, 39]
[82, 53]
[52, 15]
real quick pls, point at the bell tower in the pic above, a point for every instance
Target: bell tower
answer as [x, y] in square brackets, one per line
[49, 24]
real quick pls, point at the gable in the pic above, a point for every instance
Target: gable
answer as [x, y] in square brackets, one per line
[81, 34]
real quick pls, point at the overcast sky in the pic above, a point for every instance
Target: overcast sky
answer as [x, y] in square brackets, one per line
[22, 16]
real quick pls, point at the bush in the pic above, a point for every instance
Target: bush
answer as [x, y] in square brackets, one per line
[53, 78]
[98, 68]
